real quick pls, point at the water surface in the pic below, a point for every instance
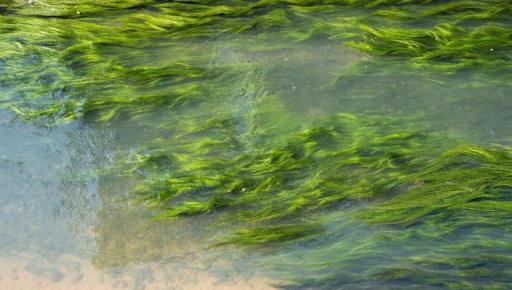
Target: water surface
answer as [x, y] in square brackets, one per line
[106, 110]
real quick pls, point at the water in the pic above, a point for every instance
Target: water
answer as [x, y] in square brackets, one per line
[280, 157]
[66, 226]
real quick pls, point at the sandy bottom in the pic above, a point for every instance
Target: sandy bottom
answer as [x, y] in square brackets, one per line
[73, 273]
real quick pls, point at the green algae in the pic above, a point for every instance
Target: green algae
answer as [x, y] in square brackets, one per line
[71, 46]
[257, 168]
[407, 175]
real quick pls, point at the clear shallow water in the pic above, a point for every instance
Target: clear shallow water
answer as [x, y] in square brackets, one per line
[68, 217]
[63, 227]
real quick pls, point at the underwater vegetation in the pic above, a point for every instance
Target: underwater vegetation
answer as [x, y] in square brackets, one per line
[345, 159]
[369, 190]
[63, 52]
[350, 202]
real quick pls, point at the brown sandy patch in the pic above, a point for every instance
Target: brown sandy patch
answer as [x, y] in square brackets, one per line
[73, 273]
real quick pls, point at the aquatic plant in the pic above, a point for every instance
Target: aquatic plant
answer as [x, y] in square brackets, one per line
[62, 51]
[395, 189]
[345, 159]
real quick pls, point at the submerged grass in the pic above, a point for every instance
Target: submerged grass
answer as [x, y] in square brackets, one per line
[350, 201]
[406, 175]
[63, 51]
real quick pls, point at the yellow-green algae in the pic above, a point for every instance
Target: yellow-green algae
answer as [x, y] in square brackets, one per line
[76, 47]
[403, 193]
[350, 200]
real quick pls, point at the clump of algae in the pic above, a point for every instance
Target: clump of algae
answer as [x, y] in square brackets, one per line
[415, 205]
[56, 55]
[407, 175]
